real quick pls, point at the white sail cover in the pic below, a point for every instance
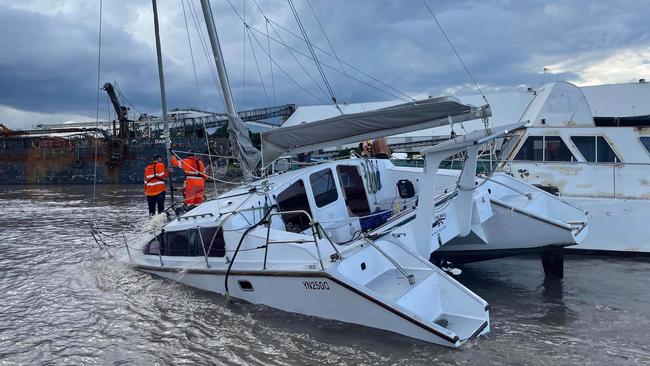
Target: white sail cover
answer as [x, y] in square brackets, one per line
[351, 128]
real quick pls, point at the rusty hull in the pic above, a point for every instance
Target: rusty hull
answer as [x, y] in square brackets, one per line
[57, 160]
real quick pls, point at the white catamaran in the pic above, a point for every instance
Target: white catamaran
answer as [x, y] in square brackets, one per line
[350, 240]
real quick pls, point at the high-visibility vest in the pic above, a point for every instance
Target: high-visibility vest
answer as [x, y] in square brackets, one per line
[193, 167]
[154, 179]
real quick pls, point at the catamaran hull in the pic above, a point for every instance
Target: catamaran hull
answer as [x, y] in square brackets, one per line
[318, 294]
[509, 232]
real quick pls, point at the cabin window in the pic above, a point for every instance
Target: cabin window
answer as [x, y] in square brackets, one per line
[292, 199]
[324, 188]
[595, 149]
[544, 148]
[532, 149]
[646, 142]
[353, 190]
[556, 150]
[187, 243]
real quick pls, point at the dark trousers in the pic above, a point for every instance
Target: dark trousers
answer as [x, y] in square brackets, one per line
[157, 200]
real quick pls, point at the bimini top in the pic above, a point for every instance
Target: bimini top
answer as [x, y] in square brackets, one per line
[356, 127]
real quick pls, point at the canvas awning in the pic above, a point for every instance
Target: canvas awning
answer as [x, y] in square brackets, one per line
[352, 128]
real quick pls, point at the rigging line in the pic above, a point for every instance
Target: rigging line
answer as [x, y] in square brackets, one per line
[273, 60]
[282, 42]
[336, 70]
[207, 144]
[225, 70]
[408, 97]
[268, 44]
[202, 41]
[478, 88]
[259, 72]
[189, 42]
[320, 25]
[199, 33]
[293, 55]
[313, 54]
[244, 48]
[124, 99]
[99, 68]
[285, 73]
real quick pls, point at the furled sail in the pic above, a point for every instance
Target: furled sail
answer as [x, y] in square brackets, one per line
[351, 128]
[241, 144]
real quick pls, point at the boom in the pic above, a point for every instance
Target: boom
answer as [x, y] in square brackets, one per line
[121, 111]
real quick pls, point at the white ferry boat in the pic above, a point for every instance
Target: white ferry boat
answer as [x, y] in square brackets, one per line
[600, 164]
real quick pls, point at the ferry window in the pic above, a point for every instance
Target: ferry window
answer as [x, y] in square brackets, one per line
[646, 142]
[595, 149]
[322, 183]
[544, 148]
[291, 199]
[353, 190]
[604, 152]
[556, 150]
[587, 146]
[532, 149]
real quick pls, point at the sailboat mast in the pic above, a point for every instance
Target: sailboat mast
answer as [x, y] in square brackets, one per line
[218, 57]
[163, 94]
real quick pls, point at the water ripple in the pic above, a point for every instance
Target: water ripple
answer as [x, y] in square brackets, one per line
[65, 302]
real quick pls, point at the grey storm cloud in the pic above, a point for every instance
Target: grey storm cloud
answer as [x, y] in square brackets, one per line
[48, 50]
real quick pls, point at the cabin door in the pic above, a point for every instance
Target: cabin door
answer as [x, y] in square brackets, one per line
[328, 206]
[354, 194]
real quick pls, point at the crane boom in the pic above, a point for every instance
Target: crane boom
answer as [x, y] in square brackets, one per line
[121, 111]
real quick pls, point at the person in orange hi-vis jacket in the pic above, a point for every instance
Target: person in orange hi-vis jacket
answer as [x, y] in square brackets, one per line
[195, 176]
[154, 185]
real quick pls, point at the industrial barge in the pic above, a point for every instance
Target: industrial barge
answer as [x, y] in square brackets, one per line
[116, 152]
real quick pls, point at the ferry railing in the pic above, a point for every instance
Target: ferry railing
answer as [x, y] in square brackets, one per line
[617, 168]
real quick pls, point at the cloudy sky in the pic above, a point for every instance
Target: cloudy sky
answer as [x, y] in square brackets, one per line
[49, 51]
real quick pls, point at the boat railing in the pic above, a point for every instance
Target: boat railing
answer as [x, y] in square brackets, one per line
[408, 276]
[313, 226]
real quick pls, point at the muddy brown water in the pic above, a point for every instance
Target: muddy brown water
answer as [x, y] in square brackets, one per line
[62, 301]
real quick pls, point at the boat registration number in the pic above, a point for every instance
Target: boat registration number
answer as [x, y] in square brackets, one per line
[316, 285]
